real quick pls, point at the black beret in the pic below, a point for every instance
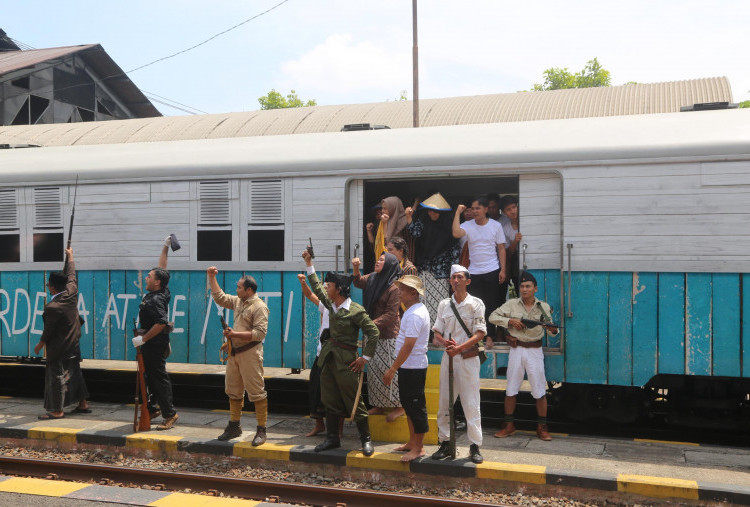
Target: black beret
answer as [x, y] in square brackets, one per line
[527, 277]
[339, 279]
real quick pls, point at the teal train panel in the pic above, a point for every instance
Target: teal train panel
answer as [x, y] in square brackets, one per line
[725, 324]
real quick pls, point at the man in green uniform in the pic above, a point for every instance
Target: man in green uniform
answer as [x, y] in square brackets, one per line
[340, 366]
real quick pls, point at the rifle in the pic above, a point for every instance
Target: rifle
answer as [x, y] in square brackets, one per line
[142, 423]
[451, 410]
[228, 350]
[531, 323]
[70, 227]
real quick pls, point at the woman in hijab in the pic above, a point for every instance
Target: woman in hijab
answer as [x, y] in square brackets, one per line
[436, 248]
[380, 297]
[392, 223]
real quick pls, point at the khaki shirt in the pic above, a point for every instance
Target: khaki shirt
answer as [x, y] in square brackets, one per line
[250, 314]
[515, 309]
[471, 311]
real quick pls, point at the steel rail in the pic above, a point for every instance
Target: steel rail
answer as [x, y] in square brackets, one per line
[231, 486]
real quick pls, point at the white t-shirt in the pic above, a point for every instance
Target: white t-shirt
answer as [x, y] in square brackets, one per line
[483, 241]
[415, 323]
[323, 324]
[510, 233]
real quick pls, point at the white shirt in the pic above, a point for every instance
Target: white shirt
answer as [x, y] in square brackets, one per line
[510, 232]
[483, 241]
[323, 324]
[471, 311]
[415, 323]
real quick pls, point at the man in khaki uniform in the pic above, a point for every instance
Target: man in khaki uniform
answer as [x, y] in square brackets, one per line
[245, 361]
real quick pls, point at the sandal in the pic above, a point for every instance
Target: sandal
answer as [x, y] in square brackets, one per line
[50, 415]
[79, 410]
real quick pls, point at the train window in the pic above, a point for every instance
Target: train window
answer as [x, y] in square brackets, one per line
[214, 221]
[265, 235]
[215, 245]
[48, 224]
[10, 238]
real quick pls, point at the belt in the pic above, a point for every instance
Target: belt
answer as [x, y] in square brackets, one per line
[528, 345]
[243, 348]
[341, 345]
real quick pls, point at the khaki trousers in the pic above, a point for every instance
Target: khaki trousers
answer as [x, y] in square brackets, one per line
[245, 373]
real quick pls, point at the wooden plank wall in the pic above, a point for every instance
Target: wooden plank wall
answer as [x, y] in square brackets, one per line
[687, 217]
[539, 219]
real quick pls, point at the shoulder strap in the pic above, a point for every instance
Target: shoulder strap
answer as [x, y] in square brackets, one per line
[460, 320]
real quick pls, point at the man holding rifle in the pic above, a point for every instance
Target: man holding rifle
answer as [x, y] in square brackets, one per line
[526, 319]
[64, 383]
[460, 326]
[153, 318]
[245, 359]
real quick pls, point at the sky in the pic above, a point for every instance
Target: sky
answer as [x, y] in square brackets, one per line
[353, 51]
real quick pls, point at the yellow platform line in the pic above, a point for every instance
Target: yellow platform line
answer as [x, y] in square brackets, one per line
[225, 411]
[42, 487]
[265, 451]
[527, 432]
[153, 441]
[62, 435]
[378, 461]
[6, 397]
[532, 474]
[186, 500]
[648, 440]
[657, 487]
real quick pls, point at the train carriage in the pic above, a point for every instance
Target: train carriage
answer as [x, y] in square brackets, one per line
[635, 226]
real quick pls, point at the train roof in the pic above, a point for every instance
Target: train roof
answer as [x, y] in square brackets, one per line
[552, 143]
[641, 98]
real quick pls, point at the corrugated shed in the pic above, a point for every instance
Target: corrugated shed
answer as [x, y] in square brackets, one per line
[14, 60]
[629, 99]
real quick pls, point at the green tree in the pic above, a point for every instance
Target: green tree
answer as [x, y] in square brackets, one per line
[745, 103]
[592, 75]
[275, 100]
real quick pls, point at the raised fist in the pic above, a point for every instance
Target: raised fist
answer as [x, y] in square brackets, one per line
[212, 271]
[356, 263]
[409, 211]
[460, 209]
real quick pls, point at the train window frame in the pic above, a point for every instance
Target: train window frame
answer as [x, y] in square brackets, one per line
[216, 219]
[47, 232]
[266, 219]
[10, 230]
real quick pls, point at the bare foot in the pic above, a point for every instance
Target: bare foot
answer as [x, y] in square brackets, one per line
[412, 455]
[403, 448]
[394, 414]
[319, 428]
[375, 411]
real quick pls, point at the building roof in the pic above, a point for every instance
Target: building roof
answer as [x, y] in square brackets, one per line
[630, 99]
[106, 70]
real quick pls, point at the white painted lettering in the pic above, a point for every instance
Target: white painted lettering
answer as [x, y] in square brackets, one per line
[83, 312]
[126, 297]
[176, 313]
[21, 292]
[111, 310]
[4, 293]
[37, 311]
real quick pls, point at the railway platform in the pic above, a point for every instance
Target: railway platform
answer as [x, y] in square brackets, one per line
[655, 469]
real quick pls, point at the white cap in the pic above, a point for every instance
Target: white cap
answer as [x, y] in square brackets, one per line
[458, 268]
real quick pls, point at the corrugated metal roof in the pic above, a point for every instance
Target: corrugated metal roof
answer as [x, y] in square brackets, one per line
[506, 107]
[97, 59]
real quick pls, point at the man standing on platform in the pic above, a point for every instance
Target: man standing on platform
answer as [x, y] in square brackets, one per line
[153, 320]
[63, 383]
[460, 327]
[526, 355]
[340, 367]
[245, 362]
[411, 364]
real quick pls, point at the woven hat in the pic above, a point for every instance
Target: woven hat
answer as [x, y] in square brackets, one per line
[436, 202]
[412, 281]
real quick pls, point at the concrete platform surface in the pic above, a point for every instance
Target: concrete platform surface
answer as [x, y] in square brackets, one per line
[651, 468]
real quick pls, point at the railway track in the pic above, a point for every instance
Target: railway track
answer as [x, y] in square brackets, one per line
[275, 492]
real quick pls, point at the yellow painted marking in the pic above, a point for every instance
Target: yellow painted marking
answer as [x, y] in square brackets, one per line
[432, 380]
[41, 487]
[225, 411]
[265, 451]
[398, 430]
[153, 441]
[378, 461]
[648, 440]
[62, 435]
[186, 500]
[658, 487]
[527, 432]
[6, 397]
[532, 474]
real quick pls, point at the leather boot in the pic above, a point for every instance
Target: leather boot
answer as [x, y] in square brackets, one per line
[233, 430]
[542, 432]
[364, 436]
[332, 440]
[260, 436]
[507, 430]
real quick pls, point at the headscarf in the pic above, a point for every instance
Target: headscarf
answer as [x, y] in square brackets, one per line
[377, 283]
[396, 223]
[436, 238]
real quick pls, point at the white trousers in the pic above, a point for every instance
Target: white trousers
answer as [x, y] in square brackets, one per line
[465, 387]
[530, 361]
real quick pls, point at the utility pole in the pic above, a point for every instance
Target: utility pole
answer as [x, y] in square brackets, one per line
[415, 64]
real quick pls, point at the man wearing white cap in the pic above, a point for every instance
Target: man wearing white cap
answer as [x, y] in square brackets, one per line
[460, 325]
